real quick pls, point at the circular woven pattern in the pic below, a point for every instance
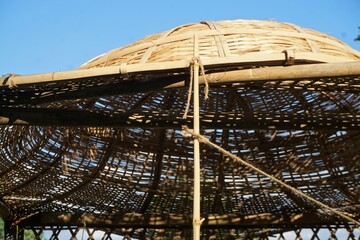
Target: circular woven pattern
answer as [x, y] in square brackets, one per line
[303, 136]
[225, 39]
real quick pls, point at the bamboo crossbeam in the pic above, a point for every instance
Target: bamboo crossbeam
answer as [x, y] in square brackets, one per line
[174, 120]
[298, 72]
[158, 220]
[320, 77]
[269, 73]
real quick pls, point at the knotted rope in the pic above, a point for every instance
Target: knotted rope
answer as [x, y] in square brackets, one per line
[207, 142]
[9, 81]
[206, 88]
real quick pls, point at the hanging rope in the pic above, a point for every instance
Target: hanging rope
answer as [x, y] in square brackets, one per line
[189, 90]
[202, 70]
[206, 88]
[206, 141]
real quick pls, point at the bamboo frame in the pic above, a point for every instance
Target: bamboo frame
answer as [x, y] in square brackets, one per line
[108, 135]
[196, 125]
[158, 220]
[169, 119]
[347, 68]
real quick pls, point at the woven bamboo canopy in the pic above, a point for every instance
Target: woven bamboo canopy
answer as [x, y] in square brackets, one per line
[103, 144]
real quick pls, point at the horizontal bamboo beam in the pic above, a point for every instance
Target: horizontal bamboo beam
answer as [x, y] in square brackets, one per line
[174, 120]
[270, 73]
[102, 82]
[298, 72]
[158, 220]
[247, 59]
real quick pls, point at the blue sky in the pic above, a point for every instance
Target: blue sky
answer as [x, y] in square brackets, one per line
[58, 35]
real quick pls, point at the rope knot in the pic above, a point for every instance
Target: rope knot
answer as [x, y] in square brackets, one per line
[196, 61]
[9, 81]
[202, 71]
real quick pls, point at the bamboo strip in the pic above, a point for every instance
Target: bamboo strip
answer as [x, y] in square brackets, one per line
[281, 73]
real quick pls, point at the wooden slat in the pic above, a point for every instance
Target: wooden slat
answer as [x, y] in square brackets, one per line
[155, 220]
[171, 119]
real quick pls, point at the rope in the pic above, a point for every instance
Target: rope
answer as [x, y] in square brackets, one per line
[190, 89]
[206, 88]
[206, 141]
[238, 159]
[8, 80]
[202, 69]
[294, 190]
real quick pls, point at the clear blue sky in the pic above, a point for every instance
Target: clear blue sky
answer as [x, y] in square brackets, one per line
[57, 35]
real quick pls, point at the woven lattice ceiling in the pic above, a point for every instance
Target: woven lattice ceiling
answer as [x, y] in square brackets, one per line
[284, 98]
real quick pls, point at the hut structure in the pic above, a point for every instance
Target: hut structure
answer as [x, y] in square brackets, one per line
[111, 146]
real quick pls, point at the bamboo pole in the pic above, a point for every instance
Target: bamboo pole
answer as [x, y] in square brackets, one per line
[338, 68]
[196, 126]
[5, 211]
[178, 220]
[172, 119]
[280, 73]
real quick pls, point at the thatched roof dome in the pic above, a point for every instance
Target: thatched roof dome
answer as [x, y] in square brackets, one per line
[226, 39]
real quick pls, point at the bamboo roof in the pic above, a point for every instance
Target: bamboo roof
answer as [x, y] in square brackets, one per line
[104, 143]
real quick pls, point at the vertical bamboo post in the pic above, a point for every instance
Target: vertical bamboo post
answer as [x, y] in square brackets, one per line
[196, 126]
[12, 232]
